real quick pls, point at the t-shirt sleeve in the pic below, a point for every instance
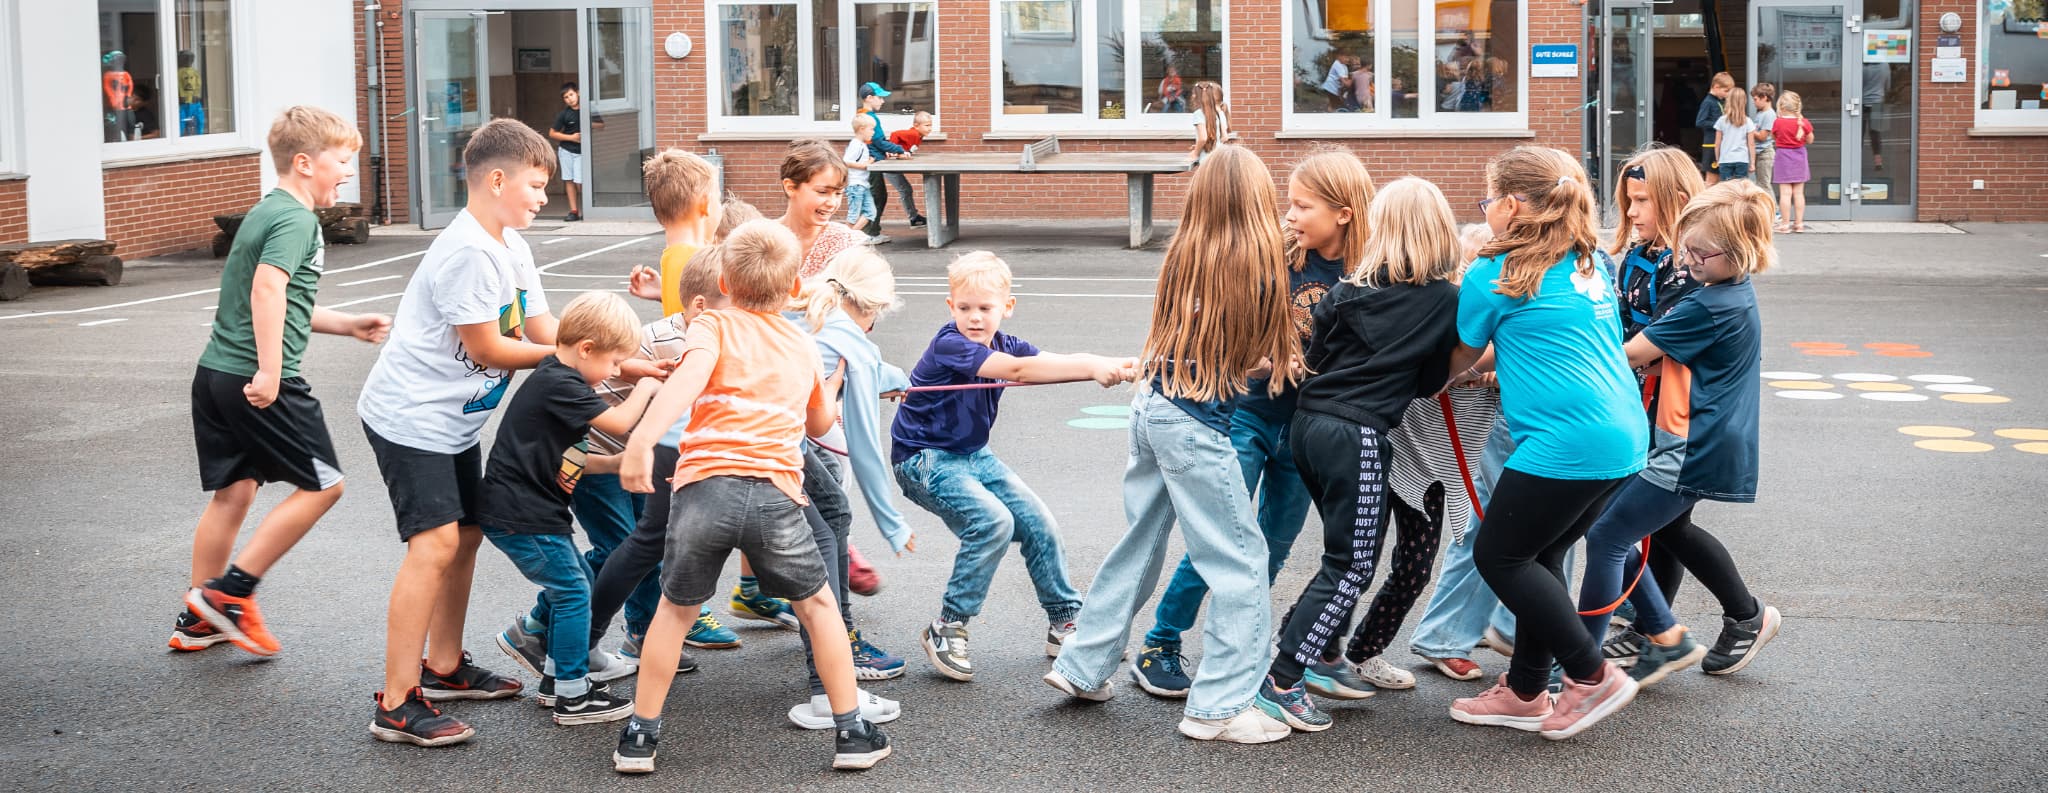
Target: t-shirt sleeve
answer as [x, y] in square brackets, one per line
[855, 151]
[703, 336]
[468, 288]
[961, 355]
[1686, 331]
[561, 122]
[529, 280]
[291, 242]
[574, 403]
[1479, 307]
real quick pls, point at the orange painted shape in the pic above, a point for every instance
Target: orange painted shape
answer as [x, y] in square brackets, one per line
[1827, 352]
[1886, 345]
[1816, 345]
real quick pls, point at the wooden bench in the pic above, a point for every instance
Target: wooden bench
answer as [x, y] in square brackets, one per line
[942, 172]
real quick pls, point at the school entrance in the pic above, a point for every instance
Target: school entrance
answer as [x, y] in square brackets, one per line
[474, 60]
[1851, 61]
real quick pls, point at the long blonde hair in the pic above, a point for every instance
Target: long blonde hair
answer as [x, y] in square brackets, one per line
[1222, 300]
[1737, 107]
[1737, 215]
[1673, 179]
[1556, 219]
[858, 278]
[1414, 240]
[1335, 177]
[1208, 101]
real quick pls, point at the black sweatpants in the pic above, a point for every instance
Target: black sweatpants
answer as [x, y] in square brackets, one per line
[639, 555]
[1530, 522]
[1417, 533]
[830, 520]
[1343, 466]
[1681, 547]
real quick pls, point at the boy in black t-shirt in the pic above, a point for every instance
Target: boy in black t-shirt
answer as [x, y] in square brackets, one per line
[534, 465]
[567, 133]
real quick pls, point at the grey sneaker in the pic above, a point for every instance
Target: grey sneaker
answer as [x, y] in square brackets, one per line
[945, 643]
[529, 649]
[1337, 680]
[1658, 661]
[1740, 640]
[1622, 647]
[606, 667]
[630, 650]
[1056, 637]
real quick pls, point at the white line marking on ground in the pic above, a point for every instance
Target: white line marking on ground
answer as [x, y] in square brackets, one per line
[555, 240]
[368, 265]
[364, 300]
[102, 322]
[545, 268]
[209, 308]
[371, 280]
[115, 305]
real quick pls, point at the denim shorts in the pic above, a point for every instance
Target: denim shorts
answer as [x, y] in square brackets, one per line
[711, 518]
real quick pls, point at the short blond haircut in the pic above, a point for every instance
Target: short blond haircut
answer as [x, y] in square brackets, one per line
[856, 277]
[979, 270]
[863, 120]
[308, 130]
[676, 181]
[700, 275]
[733, 213]
[1736, 215]
[602, 318]
[760, 265]
[1414, 237]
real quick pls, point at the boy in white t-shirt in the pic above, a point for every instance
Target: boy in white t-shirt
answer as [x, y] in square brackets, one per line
[473, 312]
[860, 196]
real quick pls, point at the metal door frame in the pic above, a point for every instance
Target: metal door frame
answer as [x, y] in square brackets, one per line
[1851, 129]
[1645, 54]
[424, 158]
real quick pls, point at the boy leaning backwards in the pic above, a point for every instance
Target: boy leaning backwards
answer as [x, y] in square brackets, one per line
[473, 312]
[253, 418]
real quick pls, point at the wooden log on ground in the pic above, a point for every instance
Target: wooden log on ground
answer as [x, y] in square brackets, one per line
[13, 282]
[48, 254]
[221, 243]
[334, 214]
[8, 252]
[96, 270]
[349, 231]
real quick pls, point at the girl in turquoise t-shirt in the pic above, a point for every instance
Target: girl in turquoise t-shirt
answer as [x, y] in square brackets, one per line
[1538, 298]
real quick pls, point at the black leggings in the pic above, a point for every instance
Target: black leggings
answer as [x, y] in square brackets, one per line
[1530, 522]
[1683, 546]
[1343, 466]
[1419, 532]
[830, 519]
[639, 555]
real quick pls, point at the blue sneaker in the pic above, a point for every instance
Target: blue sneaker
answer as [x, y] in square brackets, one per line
[871, 662]
[762, 608]
[710, 635]
[1337, 680]
[1162, 671]
[1291, 706]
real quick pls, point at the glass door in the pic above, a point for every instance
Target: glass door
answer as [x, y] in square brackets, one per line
[619, 110]
[453, 100]
[1623, 57]
[1803, 48]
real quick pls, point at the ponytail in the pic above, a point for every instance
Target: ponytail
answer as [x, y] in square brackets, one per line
[1556, 218]
[857, 277]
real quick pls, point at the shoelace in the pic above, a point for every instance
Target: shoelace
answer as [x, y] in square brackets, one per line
[1173, 663]
[709, 622]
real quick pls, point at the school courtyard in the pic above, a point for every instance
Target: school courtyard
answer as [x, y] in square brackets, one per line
[1899, 530]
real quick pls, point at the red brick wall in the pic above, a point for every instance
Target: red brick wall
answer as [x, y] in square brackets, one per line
[13, 211]
[397, 170]
[2012, 168]
[168, 207]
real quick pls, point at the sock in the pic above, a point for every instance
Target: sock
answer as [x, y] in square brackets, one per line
[571, 689]
[532, 626]
[749, 587]
[235, 583]
[637, 724]
[849, 720]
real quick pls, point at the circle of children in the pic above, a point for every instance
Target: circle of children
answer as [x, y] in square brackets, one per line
[1359, 355]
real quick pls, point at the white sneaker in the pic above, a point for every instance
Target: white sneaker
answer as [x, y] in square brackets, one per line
[1378, 672]
[607, 666]
[1249, 726]
[1067, 687]
[1492, 640]
[817, 713]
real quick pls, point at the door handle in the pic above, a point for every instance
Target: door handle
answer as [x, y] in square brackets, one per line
[430, 118]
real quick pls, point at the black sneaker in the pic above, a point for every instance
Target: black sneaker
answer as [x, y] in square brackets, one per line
[635, 754]
[861, 747]
[1623, 646]
[1740, 640]
[917, 222]
[416, 721]
[1162, 671]
[596, 706]
[572, 217]
[468, 681]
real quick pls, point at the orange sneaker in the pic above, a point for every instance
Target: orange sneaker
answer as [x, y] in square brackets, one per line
[237, 618]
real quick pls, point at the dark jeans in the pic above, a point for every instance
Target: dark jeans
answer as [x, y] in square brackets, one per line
[551, 562]
[1731, 171]
[902, 184]
[635, 559]
[1344, 467]
[830, 518]
[609, 514]
[1530, 522]
[1638, 509]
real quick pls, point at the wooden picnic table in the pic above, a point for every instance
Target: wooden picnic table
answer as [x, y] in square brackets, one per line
[941, 172]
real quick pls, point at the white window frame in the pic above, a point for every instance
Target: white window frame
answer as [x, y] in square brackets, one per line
[1428, 118]
[639, 55]
[1134, 120]
[1980, 77]
[805, 122]
[11, 131]
[171, 144]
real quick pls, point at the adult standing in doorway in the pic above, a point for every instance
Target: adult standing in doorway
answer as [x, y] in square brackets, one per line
[567, 133]
[871, 96]
[1877, 82]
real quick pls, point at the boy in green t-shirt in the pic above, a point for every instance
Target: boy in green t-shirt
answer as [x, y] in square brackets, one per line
[253, 418]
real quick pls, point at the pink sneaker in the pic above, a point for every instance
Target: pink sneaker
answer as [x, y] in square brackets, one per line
[1583, 705]
[1500, 706]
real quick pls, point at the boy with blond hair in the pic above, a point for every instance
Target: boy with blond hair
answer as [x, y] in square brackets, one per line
[473, 312]
[940, 452]
[538, 458]
[682, 189]
[254, 419]
[750, 380]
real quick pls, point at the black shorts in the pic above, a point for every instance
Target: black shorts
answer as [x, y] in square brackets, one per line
[286, 442]
[428, 489]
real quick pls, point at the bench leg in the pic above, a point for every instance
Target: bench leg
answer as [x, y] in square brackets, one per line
[935, 214]
[1139, 186]
[952, 224]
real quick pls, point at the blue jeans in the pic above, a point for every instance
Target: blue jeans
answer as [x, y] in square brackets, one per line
[1462, 607]
[985, 505]
[1637, 510]
[1180, 470]
[1266, 459]
[551, 562]
[608, 513]
[860, 203]
[1731, 171]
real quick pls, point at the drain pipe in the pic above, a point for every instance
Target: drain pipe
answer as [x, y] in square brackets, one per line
[380, 169]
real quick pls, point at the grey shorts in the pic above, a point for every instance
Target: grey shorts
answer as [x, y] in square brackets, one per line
[709, 519]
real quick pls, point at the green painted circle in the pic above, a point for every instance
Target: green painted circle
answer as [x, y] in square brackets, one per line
[1100, 423]
[1107, 410]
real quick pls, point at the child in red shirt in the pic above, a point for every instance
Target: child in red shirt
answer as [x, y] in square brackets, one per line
[909, 139]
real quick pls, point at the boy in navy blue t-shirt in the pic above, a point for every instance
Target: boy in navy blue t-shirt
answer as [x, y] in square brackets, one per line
[942, 461]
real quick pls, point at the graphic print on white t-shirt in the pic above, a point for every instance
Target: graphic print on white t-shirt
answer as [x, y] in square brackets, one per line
[511, 325]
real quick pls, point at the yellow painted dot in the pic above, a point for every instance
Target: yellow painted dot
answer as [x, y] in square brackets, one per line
[2032, 447]
[2023, 434]
[1977, 399]
[1935, 431]
[1801, 385]
[1881, 386]
[1954, 446]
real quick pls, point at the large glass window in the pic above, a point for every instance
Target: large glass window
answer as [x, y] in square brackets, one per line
[166, 69]
[1395, 63]
[10, 113]
[1124, 63]
[2012, 74]
[782, 65]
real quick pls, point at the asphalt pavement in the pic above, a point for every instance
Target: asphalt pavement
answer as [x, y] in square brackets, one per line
[1908, 565]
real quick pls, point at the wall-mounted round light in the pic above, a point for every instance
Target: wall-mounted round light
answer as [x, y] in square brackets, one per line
[677, 45]
[1951, 22]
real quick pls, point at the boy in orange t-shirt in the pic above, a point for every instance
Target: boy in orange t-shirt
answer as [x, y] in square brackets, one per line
[750, 380]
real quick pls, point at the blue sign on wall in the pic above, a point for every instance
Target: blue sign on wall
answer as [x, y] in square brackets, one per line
[1553, 60]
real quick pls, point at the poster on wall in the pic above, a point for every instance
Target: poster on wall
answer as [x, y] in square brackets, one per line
[1887, 46]
[1807, 41]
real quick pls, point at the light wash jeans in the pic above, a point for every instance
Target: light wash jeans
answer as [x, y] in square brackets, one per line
[1180, 469]
[860, 204]
[1462, 607]
[984, 504]
[1269, 475]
